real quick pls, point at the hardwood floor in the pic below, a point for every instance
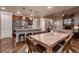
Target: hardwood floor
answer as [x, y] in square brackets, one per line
[73, 46]
[19, 46]
[6, 45]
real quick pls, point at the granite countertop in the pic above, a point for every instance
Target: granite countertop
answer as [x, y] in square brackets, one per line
[28, 29]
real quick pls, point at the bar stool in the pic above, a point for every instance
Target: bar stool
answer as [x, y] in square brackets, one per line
[21, 37]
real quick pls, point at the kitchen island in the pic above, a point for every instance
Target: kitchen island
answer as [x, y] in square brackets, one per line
[25, 32]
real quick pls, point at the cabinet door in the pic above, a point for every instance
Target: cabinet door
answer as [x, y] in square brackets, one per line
[6, 24]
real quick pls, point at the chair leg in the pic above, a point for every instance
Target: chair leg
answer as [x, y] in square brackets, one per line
[30, 50]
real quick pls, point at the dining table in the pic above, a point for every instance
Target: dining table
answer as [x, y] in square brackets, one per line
[49, 40]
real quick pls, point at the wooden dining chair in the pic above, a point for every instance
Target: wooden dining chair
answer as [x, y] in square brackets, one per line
[72, 50]
[61, 48]
[66, 44]
[34, 48]
[69, 32]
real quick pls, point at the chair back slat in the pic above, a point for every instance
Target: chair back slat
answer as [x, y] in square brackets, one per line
[30, 44]
[67, 41]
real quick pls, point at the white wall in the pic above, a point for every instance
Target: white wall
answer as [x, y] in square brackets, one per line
[60, 26]
[6, 24]
[44, 23]
[36, 23]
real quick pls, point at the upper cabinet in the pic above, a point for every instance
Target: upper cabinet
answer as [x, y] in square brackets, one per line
[68, 21]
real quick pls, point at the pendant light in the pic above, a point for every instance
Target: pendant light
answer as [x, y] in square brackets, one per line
[24, 13]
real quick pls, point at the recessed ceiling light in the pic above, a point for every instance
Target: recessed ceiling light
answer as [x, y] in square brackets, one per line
[24, 17]
[49, 7]
[18, 12]
[3, 8]
[30, 18]
[31, 15]
[63, 15]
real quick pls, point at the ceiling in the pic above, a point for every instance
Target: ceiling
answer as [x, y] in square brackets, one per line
[36, 10]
